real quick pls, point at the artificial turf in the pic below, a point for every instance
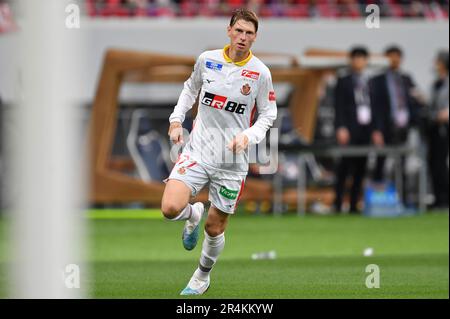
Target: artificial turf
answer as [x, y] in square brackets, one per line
[137, 254]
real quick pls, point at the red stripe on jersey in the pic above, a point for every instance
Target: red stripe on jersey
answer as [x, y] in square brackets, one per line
[182, 160]
[240, 194]
[191, 165]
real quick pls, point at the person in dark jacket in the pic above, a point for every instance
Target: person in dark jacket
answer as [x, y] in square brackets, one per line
[438, 137]
[395, 106]
[353, 125]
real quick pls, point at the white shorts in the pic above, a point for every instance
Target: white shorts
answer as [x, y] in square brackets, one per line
[225, 188]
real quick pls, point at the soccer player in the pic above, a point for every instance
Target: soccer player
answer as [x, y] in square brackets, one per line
[233, 85]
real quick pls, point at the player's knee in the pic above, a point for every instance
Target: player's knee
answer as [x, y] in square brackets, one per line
[170, 210]
[213, 229]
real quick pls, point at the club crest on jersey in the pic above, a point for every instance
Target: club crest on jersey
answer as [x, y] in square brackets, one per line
[250, 74]
[181, 171]
[214, 66]
[246, 89]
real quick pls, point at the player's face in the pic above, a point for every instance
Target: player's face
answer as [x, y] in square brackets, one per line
[242, 35]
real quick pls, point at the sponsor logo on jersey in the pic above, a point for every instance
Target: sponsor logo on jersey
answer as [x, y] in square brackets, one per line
[213, 100]
[228, 193]
[214, 66]
[221, 102]
[250, 74]
[246, 89]
[272, 96]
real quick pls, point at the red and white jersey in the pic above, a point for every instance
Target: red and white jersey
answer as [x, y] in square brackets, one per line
[230, 96]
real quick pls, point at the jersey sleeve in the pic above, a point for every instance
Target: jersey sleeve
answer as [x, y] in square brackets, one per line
[189, 94]
[267, 111]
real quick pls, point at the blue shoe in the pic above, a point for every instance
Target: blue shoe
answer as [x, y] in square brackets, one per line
[191, 231]
[196, 287]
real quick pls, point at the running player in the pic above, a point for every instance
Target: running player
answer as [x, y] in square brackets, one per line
[233, 85]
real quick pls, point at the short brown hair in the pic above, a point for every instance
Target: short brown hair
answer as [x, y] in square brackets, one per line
[244, 14]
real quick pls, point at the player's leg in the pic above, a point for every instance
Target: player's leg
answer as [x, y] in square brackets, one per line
[214, 241]
[224, 196]
[213, 245]
[186, 180]
[175, 201]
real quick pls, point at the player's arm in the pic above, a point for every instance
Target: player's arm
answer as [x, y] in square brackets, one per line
[185, 102]
[267, 113]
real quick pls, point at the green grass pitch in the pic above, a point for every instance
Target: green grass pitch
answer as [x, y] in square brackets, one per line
[137, 254]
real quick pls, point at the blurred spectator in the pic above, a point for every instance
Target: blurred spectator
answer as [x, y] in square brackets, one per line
[255, 5]
[394, 106]
[348, 9]
[353, 125]
[416, 9]
[438, 132]
[431, 9]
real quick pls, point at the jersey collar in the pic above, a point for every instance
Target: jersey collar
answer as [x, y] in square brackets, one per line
[240, 63]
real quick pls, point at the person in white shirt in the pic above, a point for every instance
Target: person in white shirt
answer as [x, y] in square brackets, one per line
[233, 86]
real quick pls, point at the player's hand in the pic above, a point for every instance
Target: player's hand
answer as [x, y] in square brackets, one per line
[239, 143]
[378, 138]
[343, 136]
[176, 133]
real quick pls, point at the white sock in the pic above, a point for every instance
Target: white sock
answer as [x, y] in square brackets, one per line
[202, 275]
[185, 214]
[196, 215]
[212, 247]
